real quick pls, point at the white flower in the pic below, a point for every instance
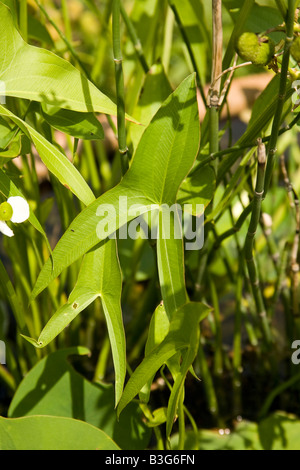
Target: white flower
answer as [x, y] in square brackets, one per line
[15, 209]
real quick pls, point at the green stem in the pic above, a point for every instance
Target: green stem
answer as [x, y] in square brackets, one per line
[134, 38]
[94, 175]
[237, 344]
[181, 422]
[249, 244]
[119, 86]
[24, 19]
[168, 40]
[7, 378]
[208, 383]
[282, 93]
[218, 359]
[101, 366]
[236, 228]
[214, 93]
[214, 132]
[66, 18]
[277, 391]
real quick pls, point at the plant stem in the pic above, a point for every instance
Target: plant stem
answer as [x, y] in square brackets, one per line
[65, 14]
[168, 40]
[294, 204]
[101, 366]
[237, 344]
[252, 268]
[218, 359]
[215, 88]
[7, 378]
[208, 383]
[282, 93]
[181, 422]
[236, 228]
[24, 19]
[277, 391]
[119, 86]
[94, 175]
[134, 38]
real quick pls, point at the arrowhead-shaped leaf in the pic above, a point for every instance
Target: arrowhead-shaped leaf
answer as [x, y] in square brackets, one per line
[165, 155]
[99, 276]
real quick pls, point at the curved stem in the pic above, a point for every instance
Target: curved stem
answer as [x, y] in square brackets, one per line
[249, 244]
[119, 86]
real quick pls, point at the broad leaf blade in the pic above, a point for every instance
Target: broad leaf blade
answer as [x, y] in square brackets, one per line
[165, 155]
[39, 75]
[53, 387]
[168, 147]
[52, 433]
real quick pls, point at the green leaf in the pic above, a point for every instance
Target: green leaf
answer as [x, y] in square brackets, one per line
[192, 313]
[158, 330]
[263, 18]
[198, 188]
[167, 149]
[53, 387]
[265, 100]
[155, 91]
[82, 236]
[55, 161]
[52, 433]
[165, 155]
[183, 327]
[80, 125]
[99, 276]
[20, 145]
[39, 75]
[170, 260]
[280, 431]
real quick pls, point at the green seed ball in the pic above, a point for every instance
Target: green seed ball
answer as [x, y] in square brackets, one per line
[258, 50]
[295, 49]
[6, 211]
